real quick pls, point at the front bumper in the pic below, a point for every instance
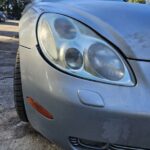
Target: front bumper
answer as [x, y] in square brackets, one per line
[124, 118]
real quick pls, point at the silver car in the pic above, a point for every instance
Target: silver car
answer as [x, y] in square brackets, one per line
[82, 75]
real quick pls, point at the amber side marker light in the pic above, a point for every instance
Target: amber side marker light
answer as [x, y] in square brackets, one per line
[39, 108]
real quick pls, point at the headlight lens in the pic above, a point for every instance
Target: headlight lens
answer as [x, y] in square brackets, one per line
[65, 28]
[73, 58]
[76, 49]
[105, 63]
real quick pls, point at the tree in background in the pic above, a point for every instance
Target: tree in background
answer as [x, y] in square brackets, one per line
[13, 8]
[137, 1]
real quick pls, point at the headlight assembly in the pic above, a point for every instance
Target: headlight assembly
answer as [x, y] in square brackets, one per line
[76, 49]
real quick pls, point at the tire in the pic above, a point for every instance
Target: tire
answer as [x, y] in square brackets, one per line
[18, 95]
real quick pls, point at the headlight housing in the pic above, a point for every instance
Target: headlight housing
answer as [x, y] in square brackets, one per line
[76, 49]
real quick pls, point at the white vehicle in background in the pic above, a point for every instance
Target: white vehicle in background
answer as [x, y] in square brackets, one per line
[2, 17]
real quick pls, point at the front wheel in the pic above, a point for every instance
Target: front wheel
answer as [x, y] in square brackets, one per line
[18, 95]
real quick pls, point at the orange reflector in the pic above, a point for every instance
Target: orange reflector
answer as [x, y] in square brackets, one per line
[39, 108]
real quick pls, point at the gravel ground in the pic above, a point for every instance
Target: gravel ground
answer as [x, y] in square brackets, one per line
[14, 134]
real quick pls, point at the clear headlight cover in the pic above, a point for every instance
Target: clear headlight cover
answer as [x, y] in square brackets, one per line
[77, 50]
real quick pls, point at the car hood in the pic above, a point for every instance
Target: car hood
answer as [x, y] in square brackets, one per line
[124, 25]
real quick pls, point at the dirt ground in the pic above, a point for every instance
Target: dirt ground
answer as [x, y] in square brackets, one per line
[14, 134]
